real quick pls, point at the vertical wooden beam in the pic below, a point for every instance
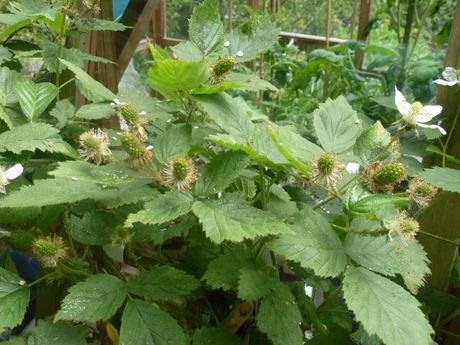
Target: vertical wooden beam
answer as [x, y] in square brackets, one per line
[229, 15]
[159, 23]
[365, 9]
[254, 4]
[443, 217]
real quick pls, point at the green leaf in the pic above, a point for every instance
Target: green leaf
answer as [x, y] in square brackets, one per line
[125, 194]
[213, 336]
[93, 24]
[14, 299]
[162, 283]
[5, 118]
[385, 309]
[225, 111]
[109, 175]
[261, 36]
[221, 172]
[371, 143]
[173, 142]
[94, 228]
[373, 203]
[235, 220]
[34, 136]
[251, 82]
[224, 271]
[314, 245]
[63, 111]
[377, 254]
[97, 298]
[298, 145]
[279, 317]
[143, 323]
[186, 50]
[8, 81]
[50, 192]
[414, 265]
[445, 178]
[95, 111]
[336, 125]
[34, 98]
[90, 88]
[11, 29]
[254, 285]
[58, 333]
[216, 88]
[163, 209]
[206, 30]
[169, 76]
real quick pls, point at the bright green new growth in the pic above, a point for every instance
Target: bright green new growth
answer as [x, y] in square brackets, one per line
[389, 173]
[21, 239]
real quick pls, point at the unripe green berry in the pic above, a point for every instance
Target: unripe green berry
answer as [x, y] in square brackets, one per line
[224, 65]
[132, 145]
[129, 113]
[45, 247]
[326, 163]
[180, 168]
[425, 189]
[389, 173]
[409, 226]
[21, 239]
[89, 141]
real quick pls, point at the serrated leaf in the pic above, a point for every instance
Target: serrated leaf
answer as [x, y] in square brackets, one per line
[95, 111]
[235, 220]
[173, 142]
[300, 147]
[58, 333]
[186, 50]
[34, 136]
[63, 111]
[143, 323]
[226, 112]
[14, 299]
[220, 172]
[164, 208]
[125, 194]
[377, 254]
[216, 88]
[97, 298]
[261, 36]
[34, 98]
[162, 283]
[445, 178]
[251, 82]
[206, 30]
[253, 285]
[279, 317]
[414, 268]
[336, 125]
[90, 88]
[224, 271]
[8, 81]
[108, 175]
[385, 309]
[314, 245]
[371, 143]
[375, 202]
[5, 118]
[94, 228]
[50, 192]
[213, 336]
[169, 76]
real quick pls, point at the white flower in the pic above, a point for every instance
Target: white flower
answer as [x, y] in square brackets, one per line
[227, 44]
[352, 168]
[450, 77]
[417, 114]
[6, 175]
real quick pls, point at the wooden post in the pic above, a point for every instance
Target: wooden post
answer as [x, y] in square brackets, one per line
[229, 15]
[159, 23]
[364, 16]
[443, 217]
[254, 4]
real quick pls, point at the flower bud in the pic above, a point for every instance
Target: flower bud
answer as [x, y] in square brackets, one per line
[222, 67]
[133, 146]
[129, 113]
[326, 169]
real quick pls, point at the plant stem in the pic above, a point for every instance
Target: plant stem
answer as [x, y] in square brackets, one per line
[60, 44]
[42, 278]
[440, 238]
[445, 146]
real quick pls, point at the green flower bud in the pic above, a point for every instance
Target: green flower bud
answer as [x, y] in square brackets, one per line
[180, 173]
[129, 113]
[45, 247]
[389, 173]
[49, 250]
[224, 65]
[132, 145]
[21, 239]
[326, 163]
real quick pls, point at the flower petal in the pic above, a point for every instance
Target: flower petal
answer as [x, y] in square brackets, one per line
[14, 172]
[352, 168]
[442, 130]
[401, 103]
[429, 111]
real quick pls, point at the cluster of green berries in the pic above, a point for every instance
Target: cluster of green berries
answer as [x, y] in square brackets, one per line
[389, 173]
